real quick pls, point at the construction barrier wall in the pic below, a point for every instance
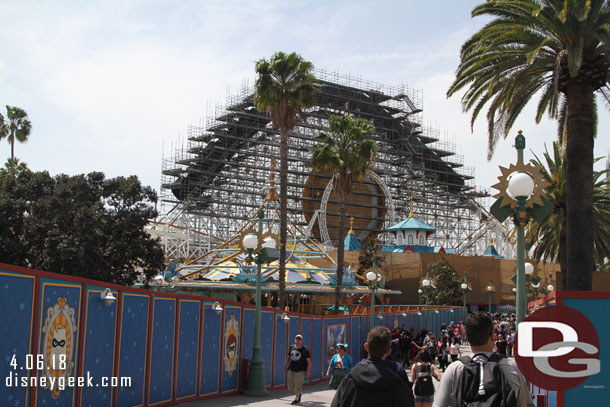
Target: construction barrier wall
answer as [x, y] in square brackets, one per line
[172, 348]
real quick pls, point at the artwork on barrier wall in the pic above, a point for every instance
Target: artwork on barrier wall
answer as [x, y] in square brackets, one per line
[231, 345]
[59, 341]
[335, 334]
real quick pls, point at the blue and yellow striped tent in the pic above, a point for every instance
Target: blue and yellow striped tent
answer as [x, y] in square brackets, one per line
[297, 270]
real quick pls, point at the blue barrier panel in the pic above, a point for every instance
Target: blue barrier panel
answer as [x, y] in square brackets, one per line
[230, 348]
[294, 329]
[59, 318]
[188, 348]
[317, 351]
[210, 351]
[98, 345]
[247, 337]
[267, 328]
[17, 305]
[279, 356]
[306, 332]
[161, 375]
[402, 321]
[364, 330]
[354, 343]
[132, 347]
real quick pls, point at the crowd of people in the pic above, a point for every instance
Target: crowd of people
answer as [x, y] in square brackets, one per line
[381, 377]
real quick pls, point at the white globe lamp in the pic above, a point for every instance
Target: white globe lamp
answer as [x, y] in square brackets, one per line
[250, 241]
[521, 184]
[269, 243]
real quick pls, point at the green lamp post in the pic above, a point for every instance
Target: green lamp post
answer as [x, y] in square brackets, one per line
[465, 289]
[520, 194]
[375, 282]
[427, 286]
[261, 250]
[490, 291]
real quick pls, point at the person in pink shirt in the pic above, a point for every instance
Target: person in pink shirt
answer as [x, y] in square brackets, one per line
[458, 333]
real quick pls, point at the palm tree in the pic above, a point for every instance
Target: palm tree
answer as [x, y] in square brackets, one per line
[15, 165]
[349, 152]
[284, 88]
[555, 48]
[548, 237]
[16, 126]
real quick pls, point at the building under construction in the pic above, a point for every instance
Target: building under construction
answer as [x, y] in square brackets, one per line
[217, 179]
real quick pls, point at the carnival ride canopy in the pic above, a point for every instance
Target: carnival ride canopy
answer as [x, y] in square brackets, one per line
[297, 270]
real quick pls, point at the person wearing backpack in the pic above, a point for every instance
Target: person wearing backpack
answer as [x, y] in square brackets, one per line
[485, 379]
[422, 372]
[375, 381]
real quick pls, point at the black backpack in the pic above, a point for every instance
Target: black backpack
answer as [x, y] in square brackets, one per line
[423, 381]
[495, 391]
[432, 351]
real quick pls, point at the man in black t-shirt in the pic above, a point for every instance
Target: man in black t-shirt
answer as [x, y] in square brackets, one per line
[298, 365]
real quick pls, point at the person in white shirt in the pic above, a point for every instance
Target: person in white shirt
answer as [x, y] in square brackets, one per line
[479, 330]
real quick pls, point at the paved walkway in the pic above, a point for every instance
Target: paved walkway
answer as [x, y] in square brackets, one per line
[318, 395]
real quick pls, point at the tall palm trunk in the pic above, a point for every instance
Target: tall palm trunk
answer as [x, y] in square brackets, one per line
[12, 170]
[340, 247]
[579, 186]
[283, 215]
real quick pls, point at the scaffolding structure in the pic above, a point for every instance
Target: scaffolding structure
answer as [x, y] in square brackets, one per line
[213, 182]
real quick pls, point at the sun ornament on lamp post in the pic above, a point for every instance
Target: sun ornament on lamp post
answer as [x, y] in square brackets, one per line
[261, 250]
[520, 194]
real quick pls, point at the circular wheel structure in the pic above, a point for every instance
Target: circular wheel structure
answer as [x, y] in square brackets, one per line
[391, 212]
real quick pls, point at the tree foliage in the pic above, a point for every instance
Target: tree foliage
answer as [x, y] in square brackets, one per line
[548, 237]
[348, 151]
[284, 87]
[447, 282]
[370, 252]
[557, 49]
[82, 225]
[15, 127]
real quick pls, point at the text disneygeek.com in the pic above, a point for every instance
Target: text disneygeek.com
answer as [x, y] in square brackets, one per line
[15, 380]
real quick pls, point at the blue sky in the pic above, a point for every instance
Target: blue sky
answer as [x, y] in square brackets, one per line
[109, 85]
